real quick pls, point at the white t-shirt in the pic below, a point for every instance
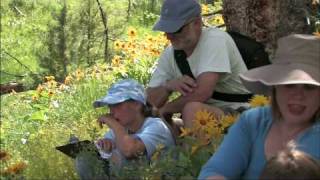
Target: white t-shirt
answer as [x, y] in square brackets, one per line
[215, 52]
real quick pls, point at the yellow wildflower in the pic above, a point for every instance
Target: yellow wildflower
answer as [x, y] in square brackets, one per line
[228, 120]
[62, 87]
[52, 83]
[79, 74]
[204, 9]
[49, 78]
[150, 39]
[117, 44]
[68, 79]
[115, 62]
[123, 46]
[213, 129]
[15, 168]
[202, 119]
[219, 19]
[35, 98]
[259, 100]
[185, 132]
[39, 88]
[132, 32]
[50, 93]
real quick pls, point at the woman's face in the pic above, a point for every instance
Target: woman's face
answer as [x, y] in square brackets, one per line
[298, 102]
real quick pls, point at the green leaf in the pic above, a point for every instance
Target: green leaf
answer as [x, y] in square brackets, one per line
[38, 115]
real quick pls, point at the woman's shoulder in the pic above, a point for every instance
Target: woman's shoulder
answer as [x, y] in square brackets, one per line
[256, 117]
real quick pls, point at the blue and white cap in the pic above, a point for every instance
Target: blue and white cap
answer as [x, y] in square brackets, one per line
[121, 91]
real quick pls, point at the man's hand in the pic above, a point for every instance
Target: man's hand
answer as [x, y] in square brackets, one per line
[184, 85]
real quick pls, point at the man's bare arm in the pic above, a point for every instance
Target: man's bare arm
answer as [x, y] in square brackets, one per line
[205, 85]
[157, 96]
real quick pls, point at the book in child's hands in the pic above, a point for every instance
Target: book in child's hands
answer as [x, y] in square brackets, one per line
[74, 148]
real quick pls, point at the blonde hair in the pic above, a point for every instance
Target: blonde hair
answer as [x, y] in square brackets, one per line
[291, 164]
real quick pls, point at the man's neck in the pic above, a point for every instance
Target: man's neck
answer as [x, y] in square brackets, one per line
[190, 49]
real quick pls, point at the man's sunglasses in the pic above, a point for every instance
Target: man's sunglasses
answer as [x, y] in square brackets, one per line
[180, 29]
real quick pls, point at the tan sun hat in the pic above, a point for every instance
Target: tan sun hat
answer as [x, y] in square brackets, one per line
[297, 61]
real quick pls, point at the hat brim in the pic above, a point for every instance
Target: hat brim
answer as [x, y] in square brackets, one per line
[259, 80]
[168, 26]
[109, 100]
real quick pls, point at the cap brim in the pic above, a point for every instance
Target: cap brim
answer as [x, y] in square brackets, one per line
[107, 101]
[168, 26]
[259, 80]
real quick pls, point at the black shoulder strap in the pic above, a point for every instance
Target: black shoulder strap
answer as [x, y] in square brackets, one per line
[252, 52]
[183, 65]
[181, 59]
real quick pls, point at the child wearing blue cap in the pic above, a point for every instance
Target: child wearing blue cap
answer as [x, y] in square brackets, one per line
[132, 132]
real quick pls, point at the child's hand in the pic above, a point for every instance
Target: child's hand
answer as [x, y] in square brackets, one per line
[105, 145]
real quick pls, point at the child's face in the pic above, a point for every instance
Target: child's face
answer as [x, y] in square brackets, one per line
[124, 112]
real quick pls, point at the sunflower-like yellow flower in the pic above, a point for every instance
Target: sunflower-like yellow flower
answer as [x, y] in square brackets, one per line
[50, 93]
[79, 74]
[35, 98]
[202, 119]
[117, 44]
[204, 126]
[219, 19]
[68, 79]
[132, 32]
[259, 100]
[49, 78]
[116, 60]
[150, 39]
[204, 9]
[185, 132]
[228, 120]
[52, 84]
[213, 130]
[39, 89]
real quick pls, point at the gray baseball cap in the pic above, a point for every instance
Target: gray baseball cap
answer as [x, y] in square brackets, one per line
[175, 13]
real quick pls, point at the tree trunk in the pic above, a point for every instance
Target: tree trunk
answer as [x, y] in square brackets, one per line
[104, 21]
[89, 33]
[63, 40]
[128, 10]
[267, 20]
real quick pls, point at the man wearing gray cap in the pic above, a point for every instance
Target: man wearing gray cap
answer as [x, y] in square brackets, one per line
[213, 59]
[132, 132]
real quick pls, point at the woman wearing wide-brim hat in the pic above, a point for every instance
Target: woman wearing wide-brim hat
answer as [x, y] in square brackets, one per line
[293, 82]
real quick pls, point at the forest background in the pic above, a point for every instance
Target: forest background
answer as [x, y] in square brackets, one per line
[64, 54]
